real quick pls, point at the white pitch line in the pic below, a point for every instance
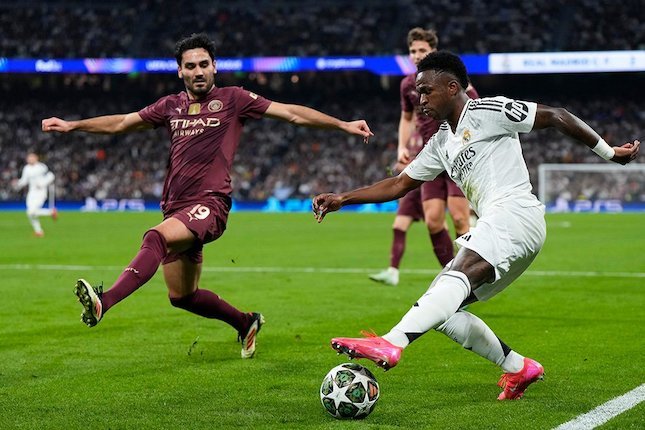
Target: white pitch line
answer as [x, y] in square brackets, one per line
[242, 269]
[603, 413]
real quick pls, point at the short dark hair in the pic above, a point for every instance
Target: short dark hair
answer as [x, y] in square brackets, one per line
[418, 33]
[195, 40]
[445, 61]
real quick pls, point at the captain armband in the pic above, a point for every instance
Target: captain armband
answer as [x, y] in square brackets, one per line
[604, 150]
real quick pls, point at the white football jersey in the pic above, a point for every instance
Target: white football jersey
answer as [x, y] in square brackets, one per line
[483, 156]
[37, 176]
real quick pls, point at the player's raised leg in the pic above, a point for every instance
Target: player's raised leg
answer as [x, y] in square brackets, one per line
[182, 275]
[139, 271]
[47, 212]
[444, 297]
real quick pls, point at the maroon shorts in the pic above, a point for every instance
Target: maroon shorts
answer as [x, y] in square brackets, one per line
[411, 205]
[441, 187]
[206, 219]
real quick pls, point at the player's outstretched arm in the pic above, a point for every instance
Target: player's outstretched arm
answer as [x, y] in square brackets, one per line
[109, 124]
[572, 126]
[303, 115]
[382, 191]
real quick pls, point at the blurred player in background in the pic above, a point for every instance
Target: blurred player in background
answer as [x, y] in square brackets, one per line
[435, 195]
[479, 145]
[204, 123]
[38, 177]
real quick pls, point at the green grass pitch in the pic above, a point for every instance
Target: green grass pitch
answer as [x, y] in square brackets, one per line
[148, 365]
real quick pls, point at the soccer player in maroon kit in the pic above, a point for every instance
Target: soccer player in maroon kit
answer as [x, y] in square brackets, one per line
[204, 123]
[433, 196]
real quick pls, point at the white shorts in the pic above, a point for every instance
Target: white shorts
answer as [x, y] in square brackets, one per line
[509, 237]
[36, 200]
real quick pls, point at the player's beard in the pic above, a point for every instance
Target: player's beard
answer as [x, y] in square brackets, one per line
[201, 89]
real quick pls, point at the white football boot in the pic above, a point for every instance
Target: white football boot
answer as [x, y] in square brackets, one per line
[248, 341]
[389, 276]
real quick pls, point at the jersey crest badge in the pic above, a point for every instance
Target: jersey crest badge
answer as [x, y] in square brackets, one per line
[253, 95]
[465, 137]
[194, 109]
[215, 105]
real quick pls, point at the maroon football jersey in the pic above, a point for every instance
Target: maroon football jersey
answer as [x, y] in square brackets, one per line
[426, 125]
[204, 137]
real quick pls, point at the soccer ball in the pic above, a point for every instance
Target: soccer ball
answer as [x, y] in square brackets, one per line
[349, 391]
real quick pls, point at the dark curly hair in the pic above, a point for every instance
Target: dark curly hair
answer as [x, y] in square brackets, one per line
[445, 61]
[195, 40]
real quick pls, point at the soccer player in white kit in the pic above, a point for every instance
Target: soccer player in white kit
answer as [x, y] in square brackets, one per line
[478, 146]
[38, 177]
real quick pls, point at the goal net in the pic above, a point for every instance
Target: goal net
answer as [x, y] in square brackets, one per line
[592, 187]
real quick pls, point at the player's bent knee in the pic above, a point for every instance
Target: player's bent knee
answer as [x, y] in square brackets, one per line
[462, 224]
[154, 235]
[434, 225]
[401, 226]
[460, 221]
[182, 302]
[177, 236]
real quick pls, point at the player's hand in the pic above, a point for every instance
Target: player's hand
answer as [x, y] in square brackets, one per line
[626, 152]
[360, 128]
[56, 124]
[322, 204]
[403, 156]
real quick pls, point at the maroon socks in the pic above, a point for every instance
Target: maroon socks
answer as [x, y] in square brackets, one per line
[398, 248]
[208, 304]
[442, 244]
[202, 302]
[140, 270]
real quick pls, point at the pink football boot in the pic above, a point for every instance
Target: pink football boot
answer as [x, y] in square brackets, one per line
[514, 384]
[372, 347]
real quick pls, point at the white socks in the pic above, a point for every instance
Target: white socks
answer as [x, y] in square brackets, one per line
[438, 309]
[514, 362]
[473, 334]
[438, 304]
[35, 223]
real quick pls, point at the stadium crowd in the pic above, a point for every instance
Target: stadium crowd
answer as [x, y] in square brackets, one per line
[274, 159]
[565, 187]
[149, 28]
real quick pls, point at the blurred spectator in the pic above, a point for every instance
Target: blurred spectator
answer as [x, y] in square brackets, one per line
[274, 160]
[149, 28]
